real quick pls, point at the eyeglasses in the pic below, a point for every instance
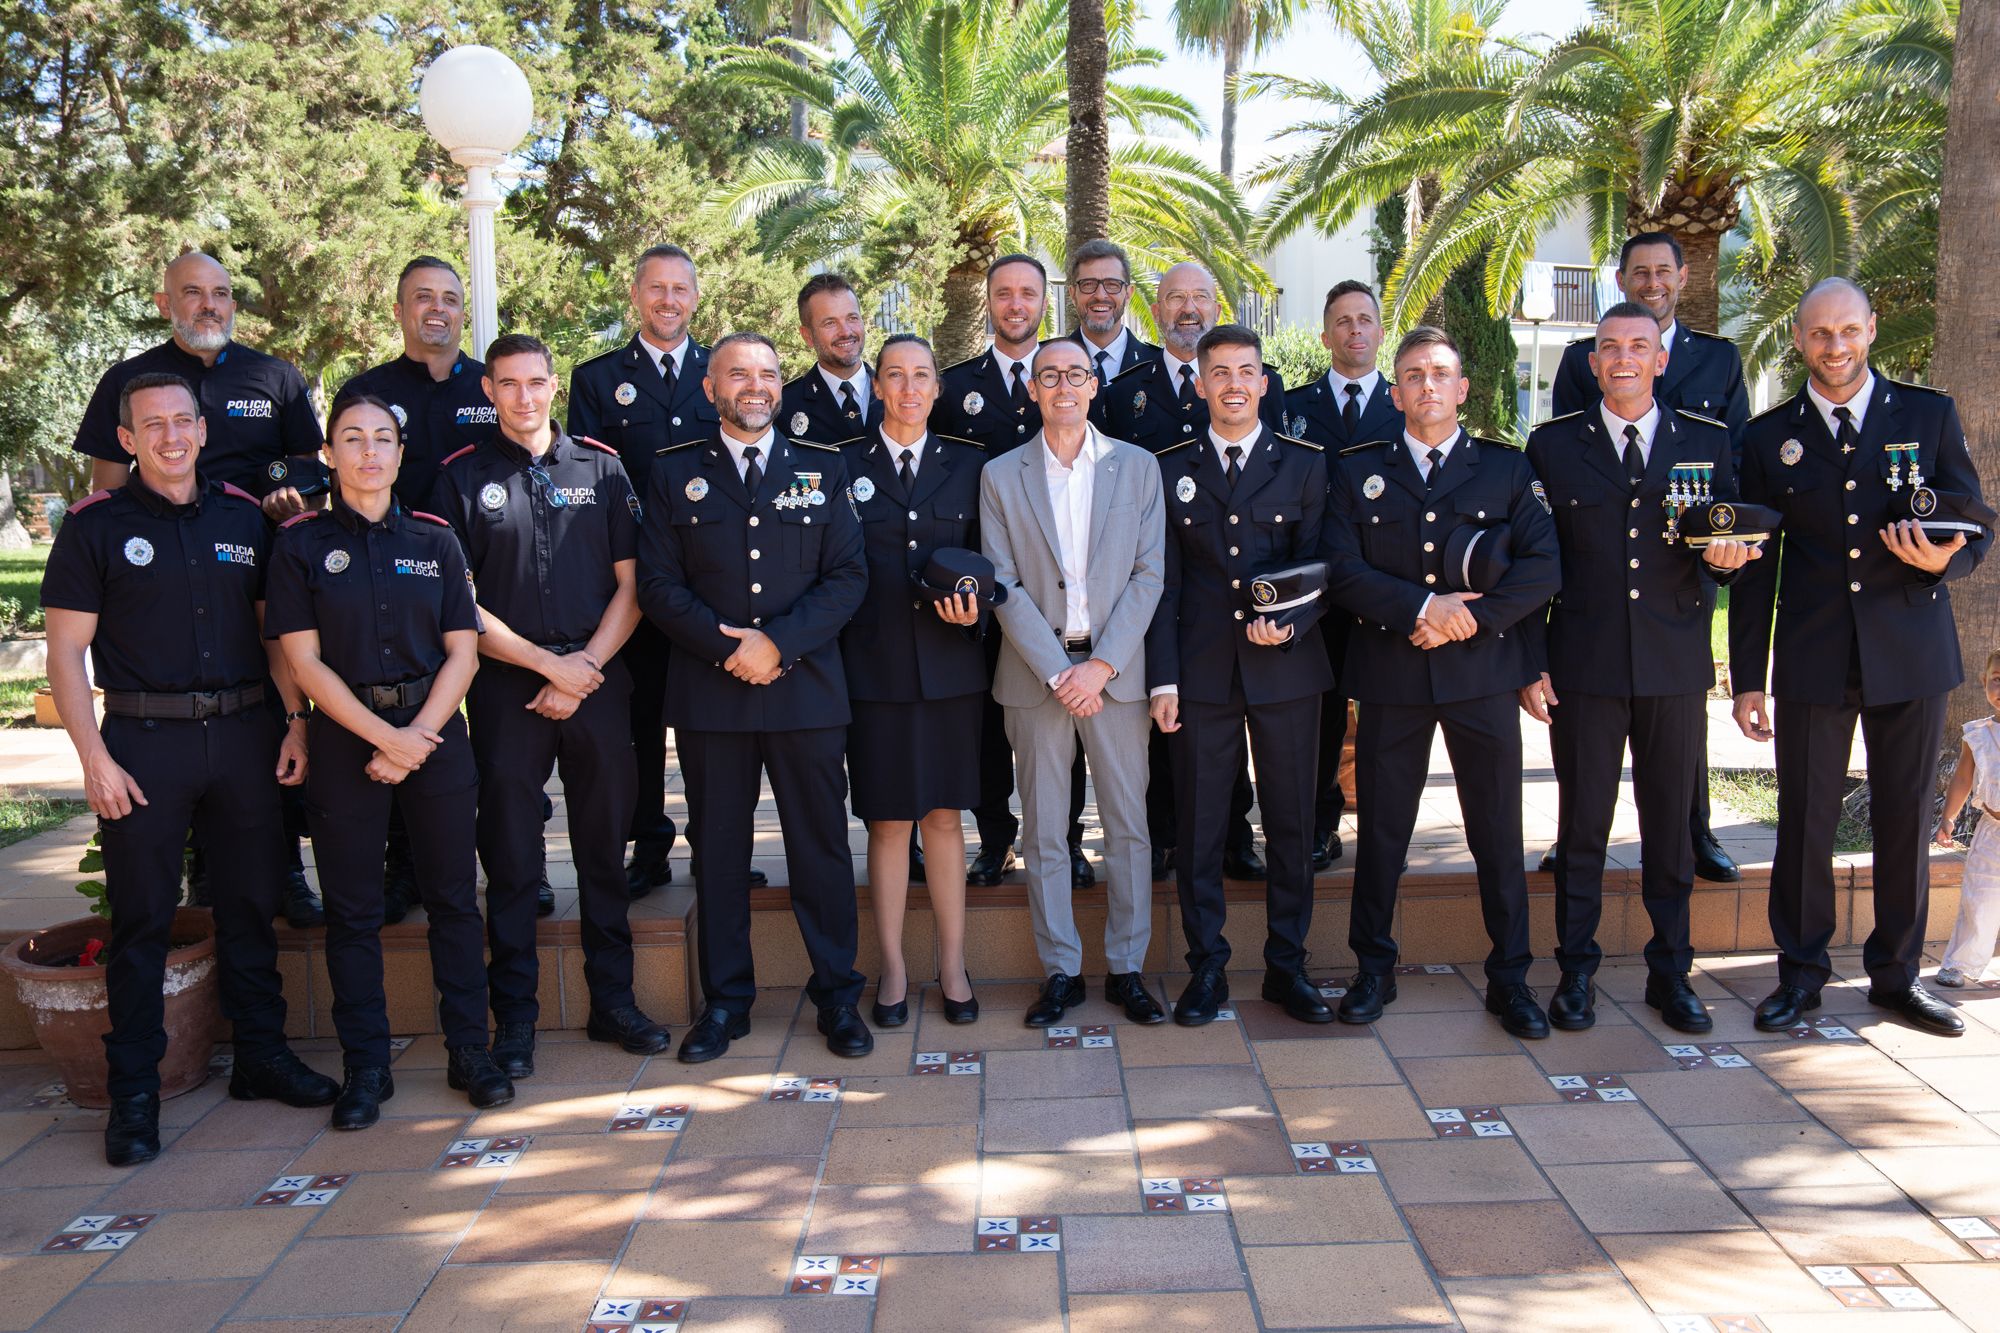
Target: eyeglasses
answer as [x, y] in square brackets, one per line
[1055, 375]
[540, 476]
[1109, 286]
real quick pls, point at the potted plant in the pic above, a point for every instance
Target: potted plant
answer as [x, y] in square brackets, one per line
[59, 975]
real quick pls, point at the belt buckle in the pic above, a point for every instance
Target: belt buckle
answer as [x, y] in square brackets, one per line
[207, 704]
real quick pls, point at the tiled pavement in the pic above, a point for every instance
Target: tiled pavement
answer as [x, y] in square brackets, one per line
[1253, 1174]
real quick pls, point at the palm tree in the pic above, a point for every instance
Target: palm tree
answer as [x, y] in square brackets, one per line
[1087, 147]
[1232, 29]
[952, 114]
[801, 18]
[1654, 115]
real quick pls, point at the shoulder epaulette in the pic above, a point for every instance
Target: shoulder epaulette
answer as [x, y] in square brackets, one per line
[1177, 444]
[960, 439]
[1495, 444]
[1550, 421]
[1133, 369]
[615, 351]
[1584, 341]
[676, 448]
[1773, 410]
[240, 494]
[1365, 444]
[598, 445]
[418, 513]
[808, 444]
[1307, 444]
[799, 379]
[961, 364]
[842, 444]
[455, 455]
[297, 519]
[1704, 420]
[1918, 388]
[95, 497]
[1704, 333]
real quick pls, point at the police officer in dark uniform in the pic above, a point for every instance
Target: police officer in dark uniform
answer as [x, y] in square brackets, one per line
[916, 674]
[1704, 375]
[1626, 654]
[374, 607]
[1349, 405]
[986, 400]
[835, 401]
[551, 530]
[1155, 405]
[1245, 503]
[162, 581]
[1863, 633]
[260, 420]
[1421, 657]
[750, 558]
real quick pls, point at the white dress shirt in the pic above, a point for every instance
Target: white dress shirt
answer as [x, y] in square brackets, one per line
[762, 444]
[859, 381]
[1006, 364]
[1174, 366]
[657, 356]
[1857, 406]
[1337, 384]
[1420, 452]
[1113, 353]
[1070, 491]
[896, 451]
[1614, 426]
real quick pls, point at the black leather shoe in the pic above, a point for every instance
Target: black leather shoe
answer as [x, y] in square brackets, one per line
[1081, 876]
[281, 1078]
[1680, 1008]
[545, 898]
[1298, 996]
[361, 1096]
[1326, 850]
[711, 1034]
[1202, 996]
[132, 1133]
[302, 908]
[1920, 1009]
[758, 879]
[1367, 993]
[1784, 1007]
[1547, 865]
[989, 866]
[960, 1012]
[649, 867]
[1129, 989]
[1573, 1007]
[916, 863]
[473, 1073]
[628, 1026]
[1059, 993]
[1711, 862]
[891, 1015]
[846, 1034]
[1163, 864]
[1514, 1004]
[514, 1049]
[1243, 863]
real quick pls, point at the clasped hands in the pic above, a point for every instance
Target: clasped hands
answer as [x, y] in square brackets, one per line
[1446, 619]
[1080, 688]
[756, 660]
[570, 677]
[403, 753]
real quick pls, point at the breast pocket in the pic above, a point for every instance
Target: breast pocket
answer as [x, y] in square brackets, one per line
[1384, 541]
[700, 540]
[1277, 526]
[1586, 523]
[803, 535]
[950, 525]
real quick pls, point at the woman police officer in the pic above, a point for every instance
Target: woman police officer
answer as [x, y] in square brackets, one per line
[374, 608]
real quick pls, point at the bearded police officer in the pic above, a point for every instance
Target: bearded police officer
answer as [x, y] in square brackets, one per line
[1863, 633]
[1704, 375]
[751, 560]
[1422, 656]
[1100, 292]
[1626, 654]
[550, 527]
[1246, 504]
[1349, 405]
[162, 581]
[260, 421]
[835, 401]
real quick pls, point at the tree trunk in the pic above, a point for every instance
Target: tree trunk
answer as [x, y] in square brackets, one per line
[1697, 212]
[1967, 363]
[801, 30]
[1232, 61]
[1087, 157]
[1701, 299]
[13, 536]
[962, 331]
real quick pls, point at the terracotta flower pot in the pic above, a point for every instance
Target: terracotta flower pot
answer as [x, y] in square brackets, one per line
[71, 1007]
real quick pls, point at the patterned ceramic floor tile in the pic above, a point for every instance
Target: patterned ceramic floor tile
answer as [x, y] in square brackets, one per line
[98, 1231]
[949, 1062]
[1593, 1087]
[796, 1088]
[1094, 1037]
[1823, 1029]
[1469, 1122]
[836, 1275]
[643, 1315]
[640, 1117]
[1017, 1235]
[1872, 1286]
[1707, 1055]
[1187, 1194]
[310, 1191]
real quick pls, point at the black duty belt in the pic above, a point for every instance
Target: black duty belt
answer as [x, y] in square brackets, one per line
[565, 649]
[194, 705]
[1076, 643]
[388, 698]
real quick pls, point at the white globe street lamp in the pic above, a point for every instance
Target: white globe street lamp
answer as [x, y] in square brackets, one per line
[477, 105]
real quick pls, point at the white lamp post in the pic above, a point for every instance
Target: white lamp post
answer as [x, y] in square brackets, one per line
[1538, 302]
[477, 104]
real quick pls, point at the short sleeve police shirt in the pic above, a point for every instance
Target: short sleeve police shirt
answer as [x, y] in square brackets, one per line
[438, 417]
[258, 412]
[174, 587]
[382, 595]
[542, 535]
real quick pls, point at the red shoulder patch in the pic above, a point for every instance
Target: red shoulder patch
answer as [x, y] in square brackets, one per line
[87, 501]
[418, 513]
[595, 444]
[240, 494]
[456, 454]
[297, 519]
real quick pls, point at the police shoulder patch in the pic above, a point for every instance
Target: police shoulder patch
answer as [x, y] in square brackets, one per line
[598, 445]
[429, 518]
[95, 497]
[1303, 444]
[297, 519]
[238, 492]
[1697, 416]
[456, 454]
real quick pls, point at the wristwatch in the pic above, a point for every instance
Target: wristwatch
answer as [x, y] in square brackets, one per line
[299, 716]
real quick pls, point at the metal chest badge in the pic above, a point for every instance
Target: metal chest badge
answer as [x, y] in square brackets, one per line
[336, 560]
[864, 489]
[1184, 490]
[402, 417]
[974, 404]
[492, 496]
[799, 423]
[625, 394]
[696, 489]
[1790, 452]
[1374, 486]
[1139, 403]
[138, 551]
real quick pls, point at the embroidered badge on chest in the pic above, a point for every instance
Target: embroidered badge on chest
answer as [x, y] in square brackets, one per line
[139, 551]
[492, 496]
[1139, 403]
[336, 560]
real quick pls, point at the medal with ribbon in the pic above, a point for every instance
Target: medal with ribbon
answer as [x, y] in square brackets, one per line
[1688, 485]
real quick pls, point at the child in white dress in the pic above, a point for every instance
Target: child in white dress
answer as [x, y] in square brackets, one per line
[1977, 778]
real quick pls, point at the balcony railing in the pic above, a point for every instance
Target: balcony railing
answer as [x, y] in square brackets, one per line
[1576, 296]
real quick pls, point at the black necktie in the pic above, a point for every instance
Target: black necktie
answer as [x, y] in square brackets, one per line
[1103, 371]
[753, 476]
[1436, 457]
[1187, 386]
[1235, 455]
[907, 473]
[1350, 411]
[848, 404]
[1635, 462]
[1845, 436]
[1020, 389]
[667, 375]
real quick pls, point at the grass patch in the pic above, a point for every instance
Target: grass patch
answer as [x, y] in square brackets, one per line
[23, 814]
[17, 699]
[21, 588]
[1753, 793]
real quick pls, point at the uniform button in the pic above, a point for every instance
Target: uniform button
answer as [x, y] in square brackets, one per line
[1236, 583]
[913, 514]
[1631, 532]
[1239, 615]
[913, 546]
[1430, 578]
[1854, 553]
[201, 610]
[809, 518]
[1853, 518]
[753, 520]
[756, 621]
[1232, 550]
[1850, 485]
[1430, 517]
[756, 587]
[1634, 594]
[1635, 564]
[1187, 522]
[1233, 518]
[756, 554]
[1374, 518]
[385, 653]
[1430, 546]
[1635, 503]
[1186, 427]
[1854, 587]
[916, 606]
[677, 421]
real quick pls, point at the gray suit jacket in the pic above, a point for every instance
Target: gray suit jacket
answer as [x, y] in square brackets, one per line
[1017, 529]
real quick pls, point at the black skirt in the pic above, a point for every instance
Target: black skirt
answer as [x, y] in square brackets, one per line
[905, 760]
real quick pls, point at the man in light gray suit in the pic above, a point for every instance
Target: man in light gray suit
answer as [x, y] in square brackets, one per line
[1074, 525]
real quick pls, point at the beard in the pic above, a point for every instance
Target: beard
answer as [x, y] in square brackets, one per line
[754, 417]
[199, 339]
